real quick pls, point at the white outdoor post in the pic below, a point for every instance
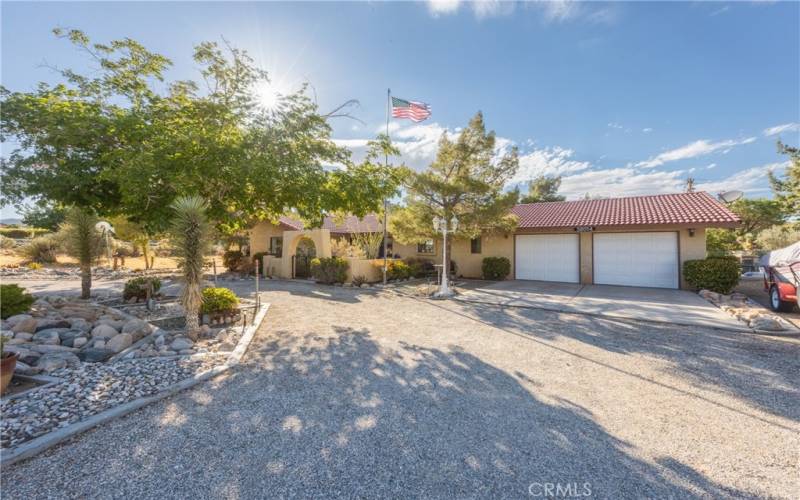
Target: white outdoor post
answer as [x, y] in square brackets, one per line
[441, 225]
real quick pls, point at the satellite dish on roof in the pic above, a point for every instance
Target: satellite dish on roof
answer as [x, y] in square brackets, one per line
[730, 196]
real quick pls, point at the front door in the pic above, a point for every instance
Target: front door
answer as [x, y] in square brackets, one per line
[302, 258]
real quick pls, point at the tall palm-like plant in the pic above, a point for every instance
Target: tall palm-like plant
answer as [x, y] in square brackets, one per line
[190, 236]
[82, 240]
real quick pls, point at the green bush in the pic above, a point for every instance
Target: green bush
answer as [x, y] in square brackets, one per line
[718, 274]
[329, 270]
[420, 267]
[495, 268]
[232, 260]
[19, 233]
[14, 300]
[398, 270]
[42, 250]
[137, 287]
[219, 300]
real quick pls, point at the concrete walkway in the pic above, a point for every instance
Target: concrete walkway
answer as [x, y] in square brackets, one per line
[677, 307]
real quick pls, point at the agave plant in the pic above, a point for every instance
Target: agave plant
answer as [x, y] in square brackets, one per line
[82, 239]
[190, 236]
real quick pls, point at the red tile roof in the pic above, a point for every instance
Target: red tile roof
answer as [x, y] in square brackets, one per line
[351, 224]
[684, 208]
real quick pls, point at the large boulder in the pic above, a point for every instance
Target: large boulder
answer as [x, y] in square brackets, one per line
[47, 324]
[12, 321]
[57, 360]
[104, 331]
[49, 336]
[181, 343]
[119, 342]
[27, 325]
[137, 328]
[80, 324]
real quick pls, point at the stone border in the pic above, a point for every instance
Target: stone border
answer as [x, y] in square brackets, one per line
[46, 381]
[58, 436]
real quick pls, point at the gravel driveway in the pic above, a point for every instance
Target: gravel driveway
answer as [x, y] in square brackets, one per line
[350, 393]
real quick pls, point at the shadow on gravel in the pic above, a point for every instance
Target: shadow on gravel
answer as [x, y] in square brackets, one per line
[757, 369]
[332, 416]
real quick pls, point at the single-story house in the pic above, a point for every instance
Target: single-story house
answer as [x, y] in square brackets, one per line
[633, 241]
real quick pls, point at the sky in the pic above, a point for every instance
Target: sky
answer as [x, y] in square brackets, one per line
[618, 98]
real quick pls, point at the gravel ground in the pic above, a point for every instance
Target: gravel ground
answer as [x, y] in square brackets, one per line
[351, 393]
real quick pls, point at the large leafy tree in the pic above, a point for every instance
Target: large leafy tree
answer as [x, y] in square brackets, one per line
[122, 140]
[756, 214]
[787, 190]
[466, 181]
[543, 188]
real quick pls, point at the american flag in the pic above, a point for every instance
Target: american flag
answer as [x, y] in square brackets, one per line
[413, 110]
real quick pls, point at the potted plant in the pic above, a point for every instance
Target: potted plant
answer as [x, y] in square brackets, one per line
[8, 362]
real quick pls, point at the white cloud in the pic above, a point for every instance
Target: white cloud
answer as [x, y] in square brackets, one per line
[560, 10]
[624, 181]
[779, 129]
[692, 150]
[351, 143]
[615, 125]
[710, 166]
[752, 180]
[437, 7]
[647, 130]
[720, 11]
[547, 161]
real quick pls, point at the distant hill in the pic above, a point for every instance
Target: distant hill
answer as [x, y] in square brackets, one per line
[9, 221]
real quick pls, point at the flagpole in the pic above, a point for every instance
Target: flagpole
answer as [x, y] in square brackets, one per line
[385, 201]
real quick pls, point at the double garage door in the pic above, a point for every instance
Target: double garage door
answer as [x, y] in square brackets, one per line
[631, 259]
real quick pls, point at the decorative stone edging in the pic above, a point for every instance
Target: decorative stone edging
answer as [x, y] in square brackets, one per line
[39, 444]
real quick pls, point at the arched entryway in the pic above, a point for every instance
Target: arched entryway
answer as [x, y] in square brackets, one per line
[305, 252]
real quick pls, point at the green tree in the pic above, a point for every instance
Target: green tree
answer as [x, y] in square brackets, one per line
[787, 190]
[44, 215]
[543, 188]
[757, 215]
[122, 140]
[190, 235]
[83, 241]
[465, 181]
[134, 233]
[777, 237]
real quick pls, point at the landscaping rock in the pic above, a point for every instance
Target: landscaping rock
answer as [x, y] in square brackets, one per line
[766, 323]
[100, 344]
[137, 328]
[7, 334]
[23, 336]
[181, 343]
[119, 342]
[12, 321]
[25, 369]
[104, 331]
[80, 324]
[57, 360]
[95, 355]
[51, 323]
[49, 336]
[45, 348]
[27, 325]
[79, 342]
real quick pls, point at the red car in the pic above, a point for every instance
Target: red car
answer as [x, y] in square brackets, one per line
[782, 277]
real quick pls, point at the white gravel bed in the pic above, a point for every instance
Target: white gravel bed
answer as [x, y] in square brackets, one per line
[91, 389]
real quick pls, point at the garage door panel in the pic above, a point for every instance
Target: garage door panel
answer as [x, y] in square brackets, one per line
[636, 259]
[547, 257]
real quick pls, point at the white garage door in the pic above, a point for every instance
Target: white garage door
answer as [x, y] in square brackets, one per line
[636, 259]
[547, 257]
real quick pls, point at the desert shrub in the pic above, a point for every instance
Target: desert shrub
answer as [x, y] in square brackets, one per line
[329, 270]
[359, 280]
[718, 274]
[232, 260]
[137, 287]
[14, 300]
[398, 270]
[420, 267]
[42, 250]
[340, 247]
[777, 237]
[125, 249]
[19, 233]
[219, 300]
[7, 243]
[34, 266]
[495, 268]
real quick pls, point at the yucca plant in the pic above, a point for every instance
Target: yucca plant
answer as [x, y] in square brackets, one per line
[82, 239]
[190, 237]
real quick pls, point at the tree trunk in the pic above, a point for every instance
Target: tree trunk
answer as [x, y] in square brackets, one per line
[86, 281]
[146, 256]
[192, 324]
